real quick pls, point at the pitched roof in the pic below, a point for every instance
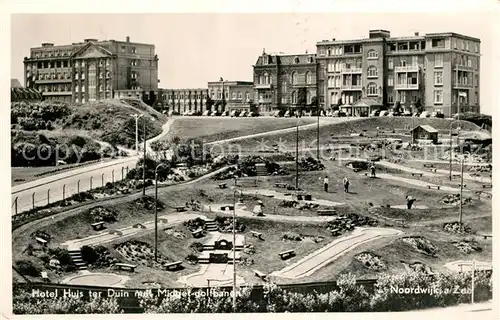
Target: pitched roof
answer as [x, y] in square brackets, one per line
[14, 83]
[427, 128]
[366, 102]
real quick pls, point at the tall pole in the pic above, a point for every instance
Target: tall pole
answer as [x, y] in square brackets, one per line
[297, 159]
[461, 192]
[137, 135]
[144, 162]
[317, 134]
[451, 148]
[473, 280]
[234, 249]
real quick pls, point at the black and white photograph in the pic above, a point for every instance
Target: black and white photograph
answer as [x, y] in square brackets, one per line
[293, 161]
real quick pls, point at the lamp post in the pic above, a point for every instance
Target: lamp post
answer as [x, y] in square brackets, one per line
[144, 161]
[451, 146]
[223, 95]
[317, 133]
[156, 210]
[234, 247]
[297, 157]
[461, 193]
[136, 117]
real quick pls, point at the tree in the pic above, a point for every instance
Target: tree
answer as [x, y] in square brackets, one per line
[418, 106]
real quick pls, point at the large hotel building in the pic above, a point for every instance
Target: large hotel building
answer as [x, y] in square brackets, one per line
[92, 70]
[437, 71]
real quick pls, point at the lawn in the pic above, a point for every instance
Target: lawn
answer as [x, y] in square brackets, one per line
[222, 128]
[366, 125]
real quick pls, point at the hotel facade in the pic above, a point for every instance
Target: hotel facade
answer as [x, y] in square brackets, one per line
[437, 71]
[92, 70]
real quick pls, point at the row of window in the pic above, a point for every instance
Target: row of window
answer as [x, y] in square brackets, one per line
[102, 75]
[54, 88]
[465, 45]
[293, 96]
[265, 78]
[105, 95]
[49, 65]
[267, 59]
[50, 76]
[93, 87]
[51, 53]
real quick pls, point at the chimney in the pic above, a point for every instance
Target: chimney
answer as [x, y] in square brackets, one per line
[90, 40]
[47, 44]
[416, 34]
[128, 39]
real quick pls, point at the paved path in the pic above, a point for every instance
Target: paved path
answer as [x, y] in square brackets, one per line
[417, 183]
[282, 196]
[219, 274]
[322, 257]
[104, 236]
[51, 187]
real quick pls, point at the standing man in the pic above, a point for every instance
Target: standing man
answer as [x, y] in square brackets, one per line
[409, 201]
[372, 169]
[325, 183]
[346, 185]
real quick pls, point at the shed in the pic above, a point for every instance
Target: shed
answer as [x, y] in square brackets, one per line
[424, 132]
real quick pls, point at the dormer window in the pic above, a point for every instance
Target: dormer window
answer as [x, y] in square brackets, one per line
[266, 59]
[372, 54]
[310, 59]
[297, 60]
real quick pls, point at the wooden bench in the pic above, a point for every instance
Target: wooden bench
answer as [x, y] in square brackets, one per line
[45, 276]
[463, 185]
[326, 212]
[180, 208]
[335, 232]
[433, 170]
[260, 274]
[117, 232]
[257, 234]
[487, 186]
[139, 225]
[227, 208]
[223, 185]
[280, 185]
[417, 174]
[434, 187]
[98, 225]
[428, 165]
[126, 266]
[41, 241]
[485, 236]
[286, 254]
[163, 220]
[197, 233]
[173, 266]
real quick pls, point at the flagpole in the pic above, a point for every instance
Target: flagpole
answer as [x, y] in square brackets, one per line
[473, 279]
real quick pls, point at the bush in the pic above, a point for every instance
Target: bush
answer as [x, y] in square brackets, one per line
[63, 256]
[195, 224]
[196, 246]
[89, 255]
[27, 268]
[24, 303]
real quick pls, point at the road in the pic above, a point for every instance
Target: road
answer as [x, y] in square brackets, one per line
[51, 188]
[323, 256]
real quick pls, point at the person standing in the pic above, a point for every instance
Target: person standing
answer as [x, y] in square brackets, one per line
[325, 183]
[346, 185]
[372, 169]
[409, 201]
[257, 210]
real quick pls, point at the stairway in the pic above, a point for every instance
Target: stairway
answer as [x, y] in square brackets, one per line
[261, 169]
[76, 258]
[210, 225]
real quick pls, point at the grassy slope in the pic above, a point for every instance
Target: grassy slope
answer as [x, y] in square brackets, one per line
[357, 125]
[224, 128]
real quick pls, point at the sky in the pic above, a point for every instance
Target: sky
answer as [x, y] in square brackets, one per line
[194, 48]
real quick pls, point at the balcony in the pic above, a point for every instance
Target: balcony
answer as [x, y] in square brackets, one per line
[43, 81]
[57, 93]
[461, 85]
[351, 87]
[406, 86]
[352, 71]
[406, 69]
[263, 86]
[458, 67]
[267, 100]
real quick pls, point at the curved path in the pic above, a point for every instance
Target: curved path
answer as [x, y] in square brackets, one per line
[321, 257]
[51, 188]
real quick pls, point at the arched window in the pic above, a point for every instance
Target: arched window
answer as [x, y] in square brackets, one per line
[266, 78]
[261, 79]
[372, 54]
[308, 97]
[294, 77]
[308, 78]
[372, 71]
[294, 97]
[372, 89]
[296, 60]
[240, 96]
